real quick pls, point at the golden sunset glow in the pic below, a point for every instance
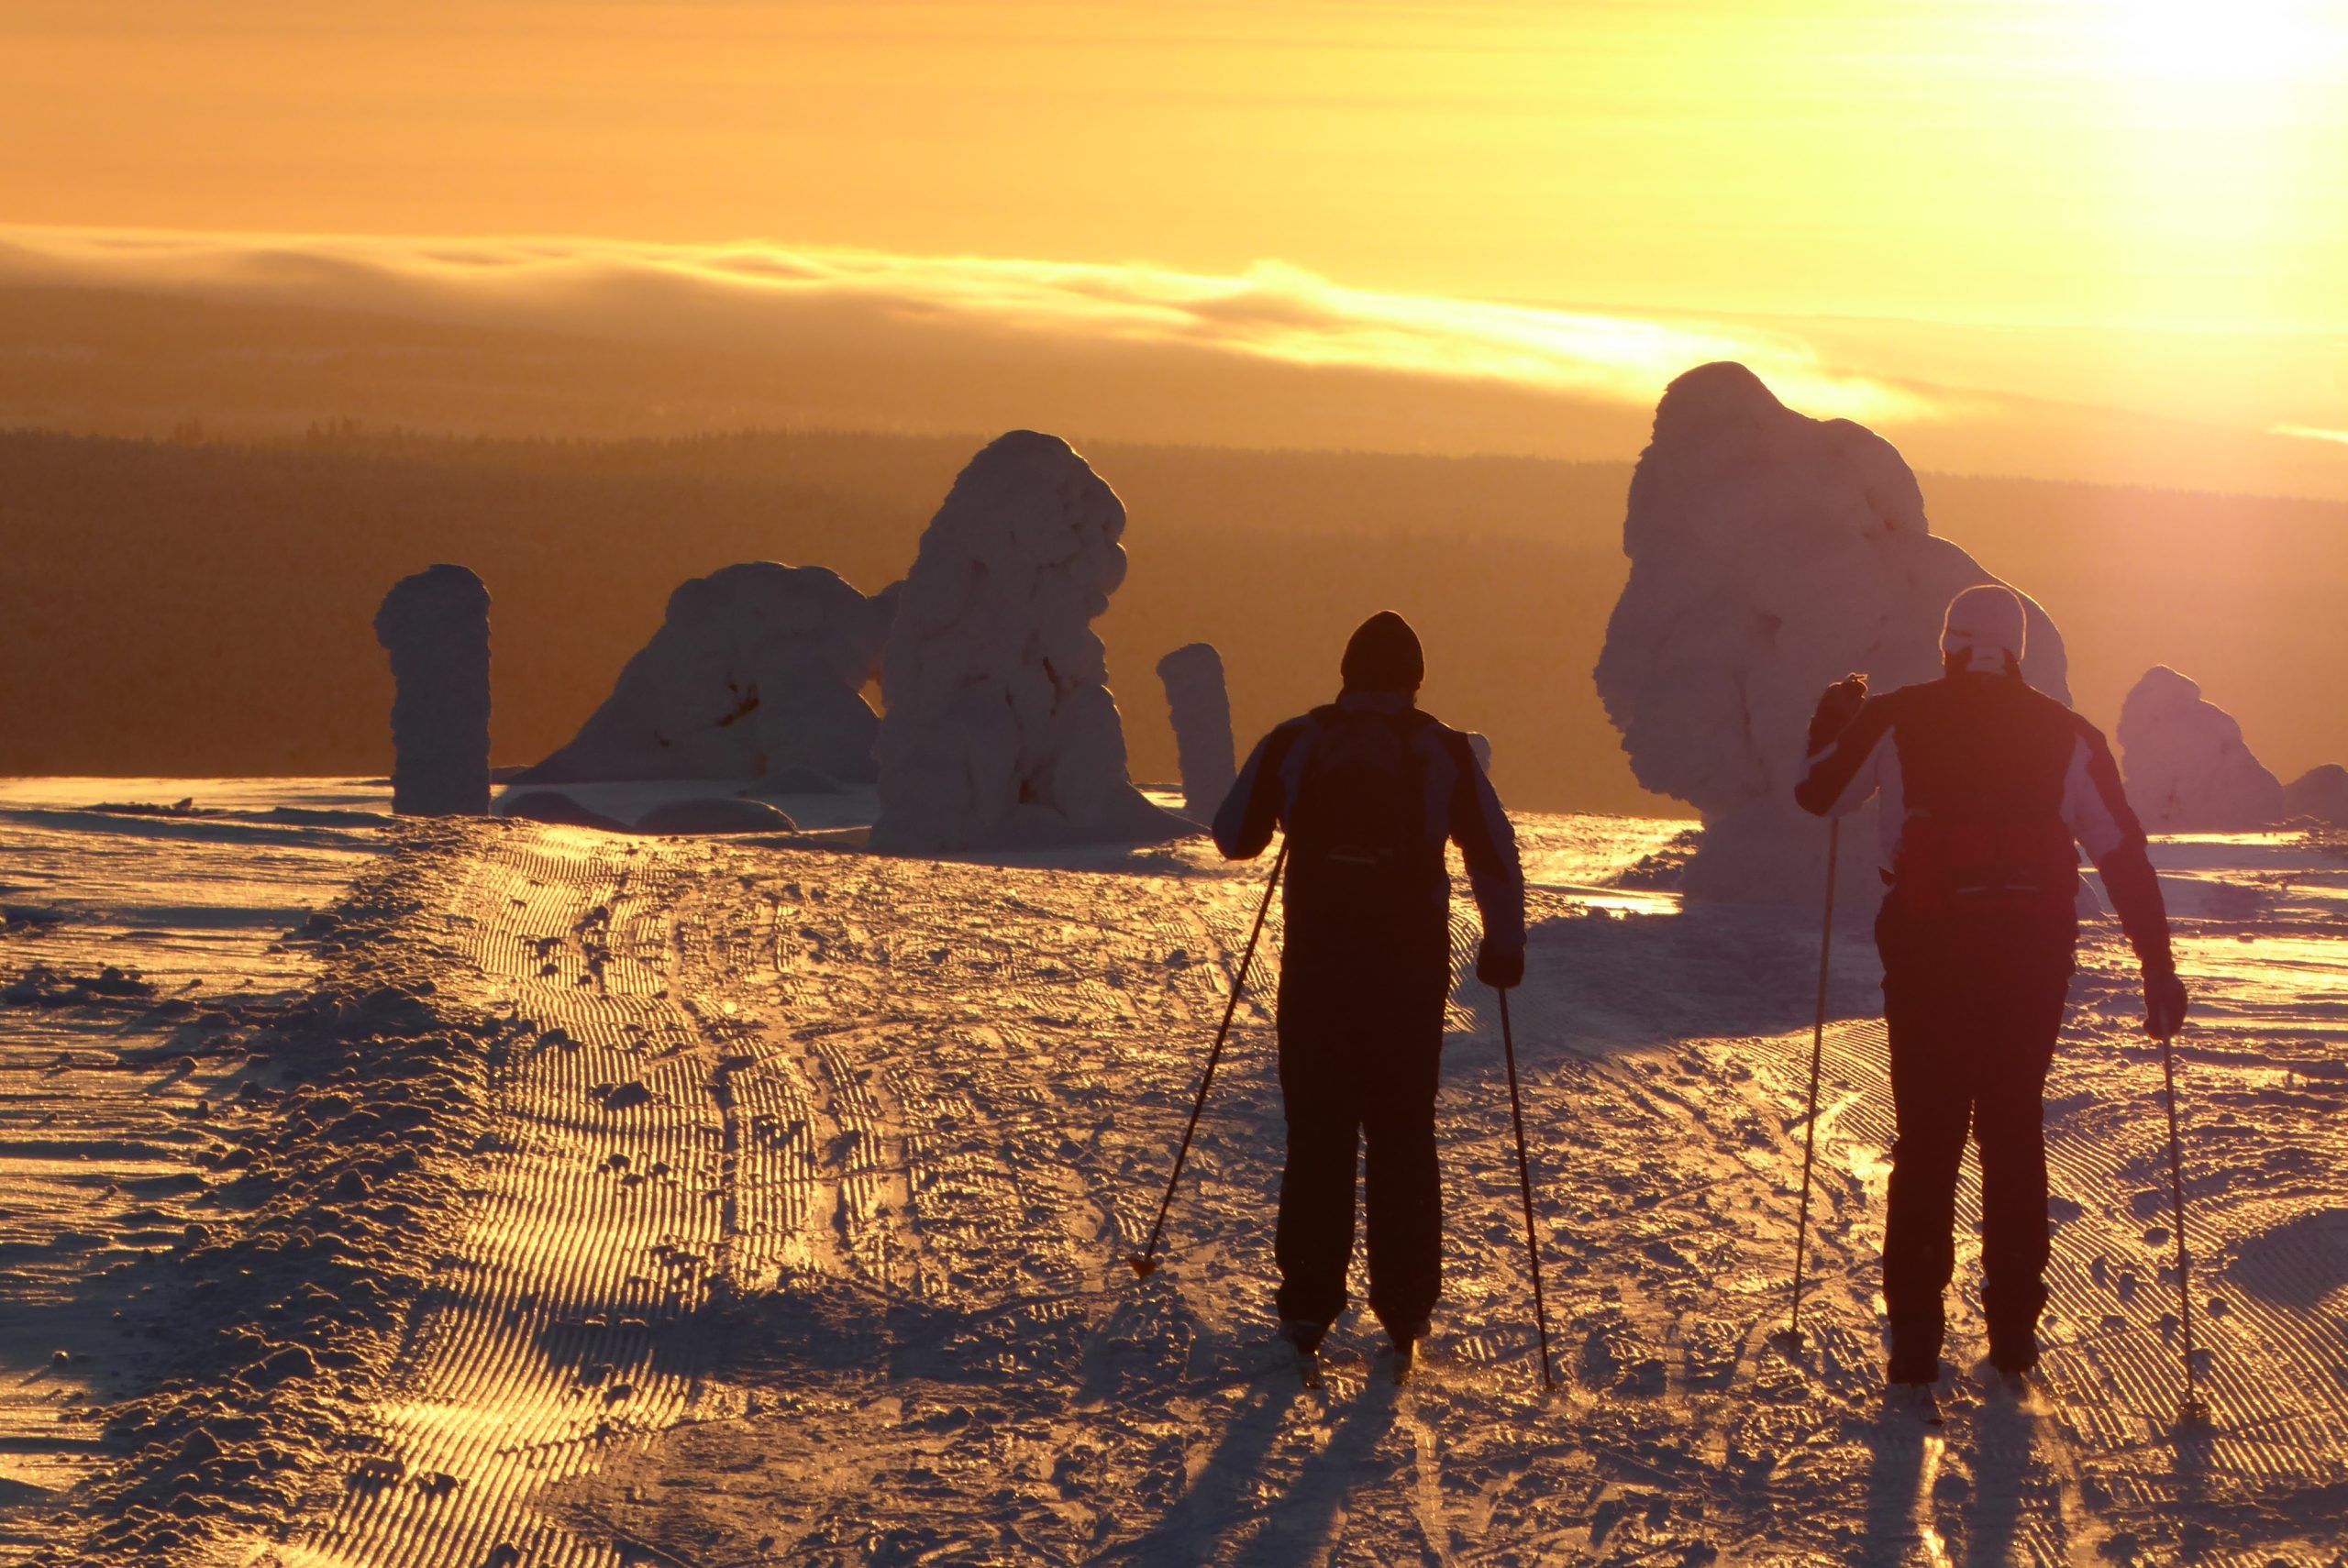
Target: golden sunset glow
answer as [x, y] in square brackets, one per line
[2140, 205]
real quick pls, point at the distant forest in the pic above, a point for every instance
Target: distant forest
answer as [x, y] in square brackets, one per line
[191, 608]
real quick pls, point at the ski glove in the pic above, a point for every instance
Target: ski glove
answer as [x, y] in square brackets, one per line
[1835, 710]
[1501, 971]
[2163, 1003]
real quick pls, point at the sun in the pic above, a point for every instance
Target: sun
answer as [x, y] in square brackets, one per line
[2215, 43]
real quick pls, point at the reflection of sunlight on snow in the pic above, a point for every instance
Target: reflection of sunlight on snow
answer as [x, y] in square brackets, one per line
[1936, 1545]
[2275, 879]
[1869, 1167]
[1580, 858]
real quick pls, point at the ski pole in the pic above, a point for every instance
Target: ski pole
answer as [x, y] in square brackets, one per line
[1817, 1060]
[1144, 1262]
[2192, 1410]
[1524, 1184]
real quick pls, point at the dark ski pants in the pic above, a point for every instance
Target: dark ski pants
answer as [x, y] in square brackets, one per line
[1361, 1049]
[1973, 1014]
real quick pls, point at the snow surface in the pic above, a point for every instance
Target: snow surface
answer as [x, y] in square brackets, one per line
[1200, 706]
[781, 1218]
[1000, 729]
[1771, 554]
[2186, 766]
[127, 941]
[434, 624]
[758, 670]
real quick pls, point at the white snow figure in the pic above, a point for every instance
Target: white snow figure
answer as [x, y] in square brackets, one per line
[1200, 707]
[756, 670]
[1000, 730]
[435, 625]
[1771, 554]
[2187, 767]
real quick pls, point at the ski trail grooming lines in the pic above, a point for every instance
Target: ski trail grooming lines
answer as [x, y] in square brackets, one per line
[1791, 1337]
[1524, 1183]
[2190, 1410]
[1144, 1262]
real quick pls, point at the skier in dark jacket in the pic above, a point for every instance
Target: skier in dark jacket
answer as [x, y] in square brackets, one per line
[1986, 784]
[1369, 789]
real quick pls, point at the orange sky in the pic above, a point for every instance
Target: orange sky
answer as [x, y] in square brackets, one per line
[2134, 202]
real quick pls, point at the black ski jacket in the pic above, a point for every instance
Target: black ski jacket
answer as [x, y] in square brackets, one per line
[1981, 745]
[1460, 805]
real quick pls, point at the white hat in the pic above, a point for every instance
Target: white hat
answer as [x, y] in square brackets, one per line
[1986, 627]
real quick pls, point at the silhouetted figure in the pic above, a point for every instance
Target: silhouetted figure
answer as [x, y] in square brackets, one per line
[1369, 789]
[1987, 784]
[435, 625]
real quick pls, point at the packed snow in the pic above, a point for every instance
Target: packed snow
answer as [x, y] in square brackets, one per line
[757, 671]
[587, 1198]
[1200, 706]
[2186, 766]
[1000, 730]
[142, 954]
[435, 625]
[1771, 554]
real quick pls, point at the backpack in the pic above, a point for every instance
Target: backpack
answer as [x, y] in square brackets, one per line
[1360, 846]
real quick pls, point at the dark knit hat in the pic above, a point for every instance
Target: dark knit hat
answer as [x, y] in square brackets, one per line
[1383, 654]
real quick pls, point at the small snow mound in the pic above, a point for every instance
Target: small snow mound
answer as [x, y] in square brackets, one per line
[2186, 766]
[2320, 794]
[715, 813]
[554, 807]
[2299, 1263]
[757, 669]
[796, 780]
[1001, 731]
[1199, 705]
[435, 627]
[1771, 554]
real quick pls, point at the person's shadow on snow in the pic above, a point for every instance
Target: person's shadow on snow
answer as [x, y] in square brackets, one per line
[1296, 1528]
[1895, 1493]
[2002, 1436]
[1217, 1500]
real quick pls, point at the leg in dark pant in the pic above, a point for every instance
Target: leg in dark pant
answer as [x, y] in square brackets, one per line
[1315, 1240]
[1973, 1015]
[2010, 1121]
[1934, 1112]
[1360, 1051]
[1404, 1188]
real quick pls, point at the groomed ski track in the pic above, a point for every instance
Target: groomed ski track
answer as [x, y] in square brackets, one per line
[798, 1237]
